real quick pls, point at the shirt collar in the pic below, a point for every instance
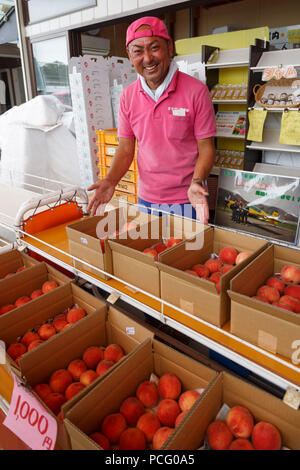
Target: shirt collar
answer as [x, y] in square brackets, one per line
[156, 94]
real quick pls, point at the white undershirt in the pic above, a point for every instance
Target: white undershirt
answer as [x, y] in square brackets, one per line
[156, 94]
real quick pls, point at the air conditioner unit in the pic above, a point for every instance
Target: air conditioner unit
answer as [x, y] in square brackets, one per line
[95, 45]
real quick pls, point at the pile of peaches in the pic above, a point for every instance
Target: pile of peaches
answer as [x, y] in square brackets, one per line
[239, 432]
[64, 384]
[214, 268]
[147, 419]
[282, 290]
[158, 248]
[46, 287]
[17, 271]
[36, 336]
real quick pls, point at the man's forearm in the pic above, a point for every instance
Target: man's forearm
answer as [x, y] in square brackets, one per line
[206, 158]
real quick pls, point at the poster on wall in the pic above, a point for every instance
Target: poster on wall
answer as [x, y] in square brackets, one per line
[231, 124]
[264, 205]
[285, 37]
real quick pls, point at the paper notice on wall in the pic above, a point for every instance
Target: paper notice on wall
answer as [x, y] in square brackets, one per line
[290, 128]
[257, 119]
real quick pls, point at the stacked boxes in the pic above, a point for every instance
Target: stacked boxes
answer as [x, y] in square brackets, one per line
[107, 145]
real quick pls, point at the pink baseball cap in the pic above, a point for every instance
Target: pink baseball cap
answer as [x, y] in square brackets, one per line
[158, 28]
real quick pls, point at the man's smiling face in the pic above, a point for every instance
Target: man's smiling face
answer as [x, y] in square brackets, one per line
[151, 56]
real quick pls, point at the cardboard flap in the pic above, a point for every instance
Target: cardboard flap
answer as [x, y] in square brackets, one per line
[188, 278]
[133, 252]
[237, 240]
[287, 255]
[127, 325]
[14, 259]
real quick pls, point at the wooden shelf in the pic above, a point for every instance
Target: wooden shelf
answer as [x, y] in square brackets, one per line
[271, 142]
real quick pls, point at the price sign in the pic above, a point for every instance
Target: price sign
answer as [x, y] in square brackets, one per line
[29, 420]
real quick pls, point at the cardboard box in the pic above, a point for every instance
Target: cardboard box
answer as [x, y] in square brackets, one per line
[105, 398]
[45, 307]
[230, 390]
[140, 269]
[265, 325]
[13, 260]
[196, 295]
[99, 328]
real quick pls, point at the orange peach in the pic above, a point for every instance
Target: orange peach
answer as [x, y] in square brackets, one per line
[282, 305]
[240, 421]
[29, 337]
[8, 275]
[292, 302]
[59, 322]
[75, 314]
[132, 439]
[270, 293]
[48, 286]
[76, 368]
[16, 350]
[172, 241]
[65, 327]
[22, 300]
[36, 293]
[169, 386]
[180, 418]
[291, 274]
[54, 401]
[214, 265]
[73, 389]
[219, 436]
[265, 436]
[88, 377]
[241, 257]
[228, 255]
[101, 440]
[6, 308]
[112, 427]
[226, 267]
[159, 247]
[60, 380]
[215, 277]
[35, 344]
[103, 366]
[167, 412]
[273, 281]
[42, 390]
[92, 356]
[46, 331]
[187, 399]
[113, 352]
[241, 444]
[21, 268]
[293, 291]
[149, 424]
[147, 393]
[160, 437]
[201, 270]
[151, 252]
[191, 271]
[132, 409]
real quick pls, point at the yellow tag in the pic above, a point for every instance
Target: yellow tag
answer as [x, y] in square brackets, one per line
[292, 397]
[113, 297]
[257, 119]
[290, 128]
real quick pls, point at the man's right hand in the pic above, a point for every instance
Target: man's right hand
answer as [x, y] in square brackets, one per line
[104, 190]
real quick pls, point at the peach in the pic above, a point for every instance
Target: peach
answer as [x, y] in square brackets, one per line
[112, 427]
[187, 399]
[73, 389]
[159, 247]
[42, 390]
[219, 436]
[273, 281]
[76, 368]
[265, 436]
[60, 380]
[214, 265]
[29, 337]
[293, 291]
[160, 437]
[147, 393]
[241, 444]
[101, 440]
[201, 270]
[6, 308]
[35, 344]
[149, 424]
[132, 439]
[88, 377]
[132, 409]
[261, 299]
[75, 314]
[226, 268]
[228, 255]
[22, 268]
[54, 401]
[92, 356]
[59, 322]
[16, 350]
[36, 293]
[172, 241]
[270, 293]
[103, 366]
[169, 386]
[48, 286]
[240, 421]
[22, 300]
[60, 417]
[284, 306]
[151, 252]
[180, 418]
[8, 275]
[66, 326]
[191, 271]
[167, 412]
[291, 302]
[46, 331]
[241, 257]
[113, 352]
[215, 277]
[291, 274]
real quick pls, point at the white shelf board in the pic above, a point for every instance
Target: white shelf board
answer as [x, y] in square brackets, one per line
[231, 58]
[238, 137]
[278, 170]
[279, 57]
[273, 110]
[229, 101]
[271, 142]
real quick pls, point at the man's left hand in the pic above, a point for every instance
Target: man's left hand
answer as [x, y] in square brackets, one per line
[198, 198]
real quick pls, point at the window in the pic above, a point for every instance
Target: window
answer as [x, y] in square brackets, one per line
[43, 10]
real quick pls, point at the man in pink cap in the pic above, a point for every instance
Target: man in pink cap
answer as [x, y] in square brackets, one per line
[172, 117]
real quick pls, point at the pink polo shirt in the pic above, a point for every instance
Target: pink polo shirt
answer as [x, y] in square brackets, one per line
[167, 132]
